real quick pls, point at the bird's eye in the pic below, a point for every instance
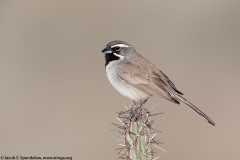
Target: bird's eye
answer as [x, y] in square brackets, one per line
[117, 49]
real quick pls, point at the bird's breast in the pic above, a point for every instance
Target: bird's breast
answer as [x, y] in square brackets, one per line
[120, 85]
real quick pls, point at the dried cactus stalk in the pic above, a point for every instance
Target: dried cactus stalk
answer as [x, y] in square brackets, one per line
[137, 133]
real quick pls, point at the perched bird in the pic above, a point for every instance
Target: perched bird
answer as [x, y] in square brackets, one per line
[135, 77]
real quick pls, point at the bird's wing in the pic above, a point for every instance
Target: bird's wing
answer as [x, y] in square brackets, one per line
[145, 74]
[132, 74]
[141, 78]
[160, 77]
[135, 76]
[157, 76]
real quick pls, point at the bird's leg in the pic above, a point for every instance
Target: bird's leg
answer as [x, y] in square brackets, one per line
[144, 100]
[139, 103]
[137, 109]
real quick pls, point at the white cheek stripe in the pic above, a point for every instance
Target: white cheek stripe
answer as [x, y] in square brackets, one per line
[120, 45]
[120, 56]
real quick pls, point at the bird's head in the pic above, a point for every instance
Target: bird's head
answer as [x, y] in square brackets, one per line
[118, 50]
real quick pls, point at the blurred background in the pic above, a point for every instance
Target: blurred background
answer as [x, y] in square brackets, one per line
[55, 99]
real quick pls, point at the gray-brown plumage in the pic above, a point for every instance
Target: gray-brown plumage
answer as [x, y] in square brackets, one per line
[137, 78]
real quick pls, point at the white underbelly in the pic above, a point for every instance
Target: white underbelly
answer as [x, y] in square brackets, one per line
[121, 86]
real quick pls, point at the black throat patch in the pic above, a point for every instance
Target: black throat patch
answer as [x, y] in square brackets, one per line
[110, 57]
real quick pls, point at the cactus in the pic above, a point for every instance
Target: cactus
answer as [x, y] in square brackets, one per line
[137, 133]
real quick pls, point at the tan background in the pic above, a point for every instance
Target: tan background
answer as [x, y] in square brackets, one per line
[56, 101]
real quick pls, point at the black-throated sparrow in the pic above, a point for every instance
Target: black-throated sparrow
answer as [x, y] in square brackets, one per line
[138, 79]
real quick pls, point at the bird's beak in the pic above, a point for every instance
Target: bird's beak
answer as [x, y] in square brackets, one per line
[107, 50]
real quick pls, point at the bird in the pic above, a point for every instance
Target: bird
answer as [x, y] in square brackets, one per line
[135, 77]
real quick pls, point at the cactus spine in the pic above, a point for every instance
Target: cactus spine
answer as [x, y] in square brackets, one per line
[137, 133]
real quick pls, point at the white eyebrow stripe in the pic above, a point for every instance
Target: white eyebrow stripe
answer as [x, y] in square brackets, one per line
[120, 45]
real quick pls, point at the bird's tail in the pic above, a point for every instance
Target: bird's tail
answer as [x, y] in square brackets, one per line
[182, 99]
